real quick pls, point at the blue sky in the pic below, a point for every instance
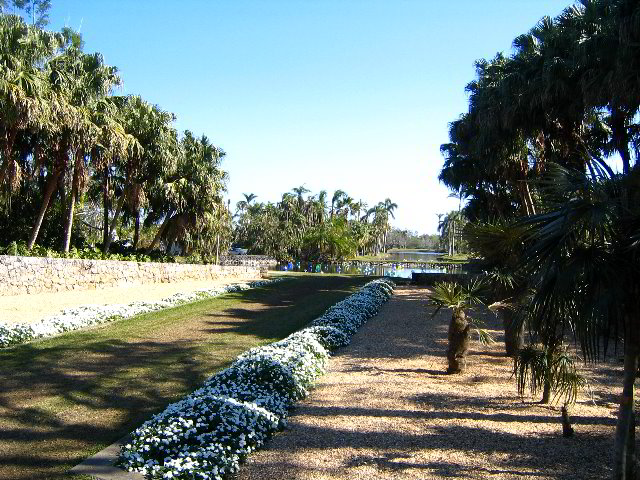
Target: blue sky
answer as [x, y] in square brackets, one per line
[347, 94]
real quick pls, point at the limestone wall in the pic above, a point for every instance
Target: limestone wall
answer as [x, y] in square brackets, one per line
[20, 275]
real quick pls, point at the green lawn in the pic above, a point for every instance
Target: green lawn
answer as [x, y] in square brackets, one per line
[457, 258]
[65, 398]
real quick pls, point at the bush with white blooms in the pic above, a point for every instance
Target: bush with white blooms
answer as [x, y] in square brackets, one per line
[90, 315]
[207, 434]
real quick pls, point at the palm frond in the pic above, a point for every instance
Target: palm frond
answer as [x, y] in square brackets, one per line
[529, 368]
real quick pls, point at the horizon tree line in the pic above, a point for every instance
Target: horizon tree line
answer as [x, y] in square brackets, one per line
[313, 227]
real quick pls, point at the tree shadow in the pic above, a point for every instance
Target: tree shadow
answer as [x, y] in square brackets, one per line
[66, 398]
[271, 312]
[392, 451]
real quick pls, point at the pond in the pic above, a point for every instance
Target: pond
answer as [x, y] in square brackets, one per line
[394, 265]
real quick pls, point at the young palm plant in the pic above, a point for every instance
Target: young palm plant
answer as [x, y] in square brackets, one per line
[460, 299]
[550, 369]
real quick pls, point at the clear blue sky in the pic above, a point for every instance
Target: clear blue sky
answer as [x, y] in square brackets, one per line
[349, 94]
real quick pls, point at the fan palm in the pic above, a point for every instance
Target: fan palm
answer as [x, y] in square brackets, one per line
[582, 259]
[25, 102]
[459, 298]
[151, 156]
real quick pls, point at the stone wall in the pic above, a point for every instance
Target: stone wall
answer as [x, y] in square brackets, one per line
[20, 275]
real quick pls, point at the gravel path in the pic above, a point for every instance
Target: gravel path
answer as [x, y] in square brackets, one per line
[386, 410]
[32, 307]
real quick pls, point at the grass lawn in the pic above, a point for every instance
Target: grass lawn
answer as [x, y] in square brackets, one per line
[65, 398]
[457, 258]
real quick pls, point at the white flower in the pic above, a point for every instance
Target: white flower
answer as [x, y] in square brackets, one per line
[209, 432]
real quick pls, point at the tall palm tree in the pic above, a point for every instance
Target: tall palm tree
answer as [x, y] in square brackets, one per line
[300, 191]
[151, 158]
[338, 195]
[582, 260]
[25, 101]
[85, 81]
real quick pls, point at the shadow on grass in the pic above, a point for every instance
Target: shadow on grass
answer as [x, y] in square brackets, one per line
[273, 311]
[68, 401]
[65, 398]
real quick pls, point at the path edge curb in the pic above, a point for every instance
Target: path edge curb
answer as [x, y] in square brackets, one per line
[101, 466]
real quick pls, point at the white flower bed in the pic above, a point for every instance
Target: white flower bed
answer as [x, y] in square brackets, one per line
[207, 434]
[87, 316]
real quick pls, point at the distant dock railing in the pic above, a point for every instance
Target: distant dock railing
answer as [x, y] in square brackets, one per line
[259, 261]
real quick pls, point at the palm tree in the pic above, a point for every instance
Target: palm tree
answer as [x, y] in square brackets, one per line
[85, 81]
[191, 196]
[338, 195]
[359, 207]
[451, 227]
[568, 96]
[582, 259]
[243, 205]
[300, 191]
[500, 247]
[458, 298]
[151, 157]
[25, 100]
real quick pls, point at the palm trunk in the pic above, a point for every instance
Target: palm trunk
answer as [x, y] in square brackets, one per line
[453, 240]
[75, 186]
[532, 207]
[458, 342]
[68, 224]
[525, 191]
[513, 332]
[624, 447]
[105, 206]
[546, 392]
[217, 248]
[158, 236]
[621, 139]
[50, 188]
[136, 233]
[114, 222]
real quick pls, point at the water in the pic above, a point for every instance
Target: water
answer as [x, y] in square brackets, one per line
[392, 267]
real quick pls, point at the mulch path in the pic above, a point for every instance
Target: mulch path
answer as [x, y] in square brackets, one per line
[387, 410]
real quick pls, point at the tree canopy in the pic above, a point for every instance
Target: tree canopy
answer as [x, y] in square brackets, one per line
[556, 222]
[68, 143]
[308, 228]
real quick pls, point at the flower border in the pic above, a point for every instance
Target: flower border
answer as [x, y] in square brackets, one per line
[208, 433]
